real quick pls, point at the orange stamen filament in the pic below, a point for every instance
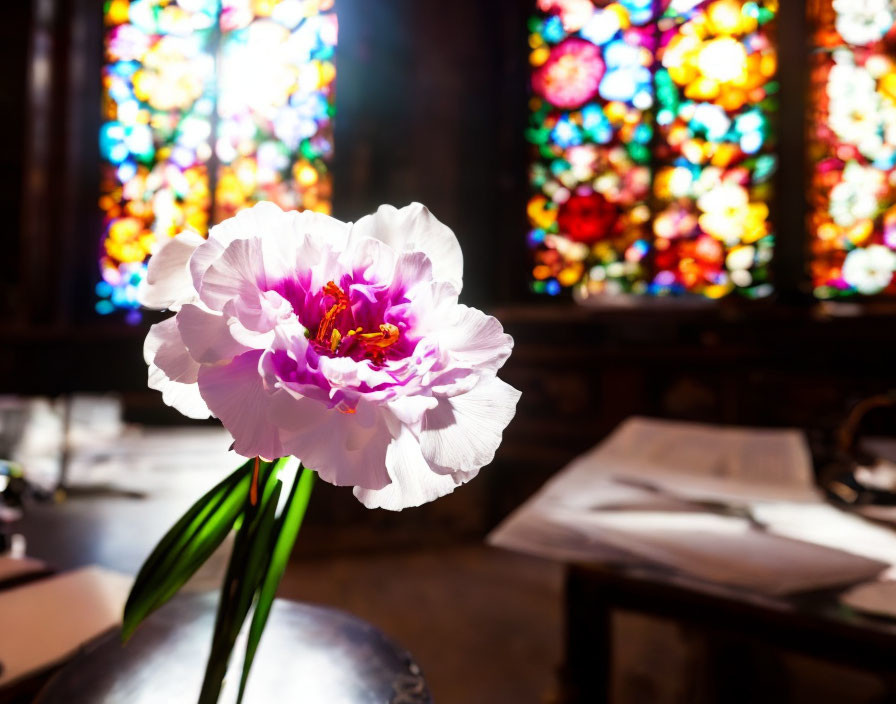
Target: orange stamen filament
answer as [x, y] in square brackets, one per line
[253, 487]
[328, 323]
[373, 344]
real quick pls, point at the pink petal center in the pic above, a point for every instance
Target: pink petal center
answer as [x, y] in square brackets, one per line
[355, 318]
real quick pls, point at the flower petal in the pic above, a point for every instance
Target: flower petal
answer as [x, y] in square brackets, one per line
[475, 340]
[369, 260]
[234, 393]
[267, 222]
[172, 371]
[239, 282]
[414, 481]
[168, 283]
[207, 335]
[251, 222]
[463, 432]
[411, 269]
[414, 228]
[345, 449]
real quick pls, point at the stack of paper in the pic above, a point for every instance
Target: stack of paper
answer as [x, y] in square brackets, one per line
[734, 506]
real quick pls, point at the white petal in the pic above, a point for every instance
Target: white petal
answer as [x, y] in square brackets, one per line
[409, 410]
[463, 432]
[372, 260]
[172, 370]
[414, 228]
[234, 393]
[411, 269]
[348, 374]
[165, 348]
[204, 256]
[251, 222]
[207, 335]
[414, 481]
[182, 397]
[168, 282]
[239, 283]
[475, 340]
[283, 232]
[237, 274]
[322, 230]
[345, 449]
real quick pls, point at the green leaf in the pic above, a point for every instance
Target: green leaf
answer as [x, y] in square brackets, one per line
[189, 543]
[285, 534]
[244, 575]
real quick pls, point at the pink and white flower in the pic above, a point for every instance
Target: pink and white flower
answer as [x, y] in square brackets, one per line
[343, 345]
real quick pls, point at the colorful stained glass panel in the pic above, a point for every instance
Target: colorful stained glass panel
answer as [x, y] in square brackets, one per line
[652, 146]
[852, 147]
[209, 106]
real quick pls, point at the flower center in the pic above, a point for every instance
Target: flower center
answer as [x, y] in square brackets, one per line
[338, 333]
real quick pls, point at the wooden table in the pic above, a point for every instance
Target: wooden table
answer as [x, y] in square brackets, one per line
[736, 621]
[308, 655]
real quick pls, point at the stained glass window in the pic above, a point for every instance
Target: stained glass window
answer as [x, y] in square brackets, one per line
[650, 124]
[208, 106]
[852, 147]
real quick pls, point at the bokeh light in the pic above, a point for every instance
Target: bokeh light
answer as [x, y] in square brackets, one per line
[852, 221]
[652, 140]
[230, 96]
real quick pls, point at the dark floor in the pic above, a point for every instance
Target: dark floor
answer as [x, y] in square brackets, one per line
[484, 624]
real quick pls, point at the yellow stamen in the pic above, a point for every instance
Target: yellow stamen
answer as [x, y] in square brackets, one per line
[384, 339]
[375, 344]
[335, 339]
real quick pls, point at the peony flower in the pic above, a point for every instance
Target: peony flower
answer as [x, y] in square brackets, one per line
[869, 270]
[343, 345]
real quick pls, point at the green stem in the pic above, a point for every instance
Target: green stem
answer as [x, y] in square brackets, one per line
[287, 531]
[233, 605]
[260, 554]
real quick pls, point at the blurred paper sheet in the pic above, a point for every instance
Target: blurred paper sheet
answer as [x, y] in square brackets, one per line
[826, 525]
[693, 460]
[721, 549]
[47, 621]
[636, 498]
[146, 460]
[725, 550]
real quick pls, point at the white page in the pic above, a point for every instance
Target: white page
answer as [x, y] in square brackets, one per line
[722, 549]
[823, 524]
[591, 511]
[45, 622]
[707, 462]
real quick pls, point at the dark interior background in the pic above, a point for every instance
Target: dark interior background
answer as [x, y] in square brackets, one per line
[431, 106]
